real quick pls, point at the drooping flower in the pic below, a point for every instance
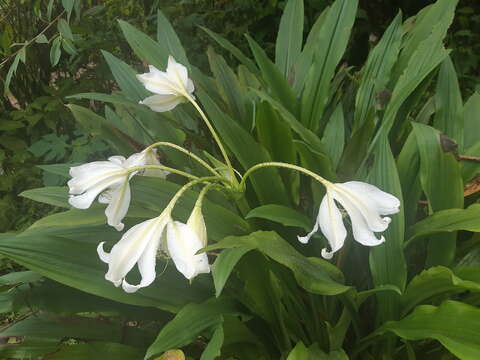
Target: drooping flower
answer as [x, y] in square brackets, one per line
[139, 245]
[364, 203]
[110, 180]
[184, 240]
[171, 86]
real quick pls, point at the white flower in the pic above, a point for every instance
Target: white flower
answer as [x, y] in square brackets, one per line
[171, 87]
[184, 240]
[110, 179]
[364, 203]
[139, 245]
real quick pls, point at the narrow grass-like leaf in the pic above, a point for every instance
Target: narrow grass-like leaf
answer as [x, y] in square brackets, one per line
[53, 195]
[281, 214]
[472, 121]
[443, 186]
[334, 135]
[290, 37]
[167, 36]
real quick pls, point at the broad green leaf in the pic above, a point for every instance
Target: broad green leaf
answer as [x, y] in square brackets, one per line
[277, 84]
[290, 37]
[72, 260]
[281, 214]
[68, 6]
[266, 182]
[435, 281]
[448, 103]
[213, 349]
[109, 98]
[471, 121]
[28, 349]
[57, 169]
[449, 221]
[312, 140]
[313, 276]
[189, 323]
[442, 184]
[334, 135]
[250, 65]
[230, 89]
[387, 262]
[168, 38]
[95, 350]
[435, 18]
[55, 51]
[301, 352]
[126, 78]
[11, 71]
[223, 266]
[53, 195]
[376, 72]
[96, 125]
[454, 324]
[145, 47]
[64, 29]
[331, 44]
[19, 277]
[408, 165]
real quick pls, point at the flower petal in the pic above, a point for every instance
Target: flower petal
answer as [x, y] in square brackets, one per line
[183, 244]
[118, 206]
[146, 266]
[177, 73]
[104, 256]
[354, 201]
[158, 82]
[84, 200]
[126, 253]
[305, 239]
[331, 224]
[385, 203]
[162, 103]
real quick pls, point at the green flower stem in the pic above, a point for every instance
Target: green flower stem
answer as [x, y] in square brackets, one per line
[325, 182]
[214, 134]
[161, 167]
[188, 185]
[185, 151]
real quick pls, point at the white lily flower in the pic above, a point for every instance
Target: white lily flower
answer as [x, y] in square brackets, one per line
[364, 203]
[184, 240]
[139, 245]
[110, 180]
[170, 86]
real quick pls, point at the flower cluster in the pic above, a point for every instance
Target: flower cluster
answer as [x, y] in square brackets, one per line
[182, 242]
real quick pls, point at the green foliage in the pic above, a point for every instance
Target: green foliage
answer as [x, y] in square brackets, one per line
[399, 121]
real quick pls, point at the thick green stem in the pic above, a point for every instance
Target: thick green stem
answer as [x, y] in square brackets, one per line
[325, 182]
[214, 134]
[185, 151]
[161, 167]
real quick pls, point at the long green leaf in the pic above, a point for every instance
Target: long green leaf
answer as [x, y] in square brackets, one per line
[313, 276]
[442, 184]
[290, 37]
[331, 44]
[281, 214]
[454, 324]
[167, 36]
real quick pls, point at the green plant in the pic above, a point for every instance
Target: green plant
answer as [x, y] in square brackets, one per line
[399, 123]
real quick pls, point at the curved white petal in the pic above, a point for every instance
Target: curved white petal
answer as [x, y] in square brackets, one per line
[183, 244]
[305, 239]
[91, 175]
[151, 159]
[117, 159]
[118, 205]
[196, 222]
[385, 203]
[94, 166]
[104, 256]
[353, 201]
[190, 86]
[362, 232]
[146, 266]
[127, 252]
[162, 103]
[83, 201]
[331, 224]
[178, 73]
[158, 82]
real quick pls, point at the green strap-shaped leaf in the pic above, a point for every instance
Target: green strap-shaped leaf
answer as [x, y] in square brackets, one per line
[472, 121]
[387, 261]
[442, 184]
[189, 323]
[145, 47]
[313, 276]
[277, 84]
[331, 44]
[334, 135]
[448, 103]
[376, 72]
[435, 281]
[290, 37]
[454, 324]
[449, 221]
[167, 36]
[281, 214]
[53, 195]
